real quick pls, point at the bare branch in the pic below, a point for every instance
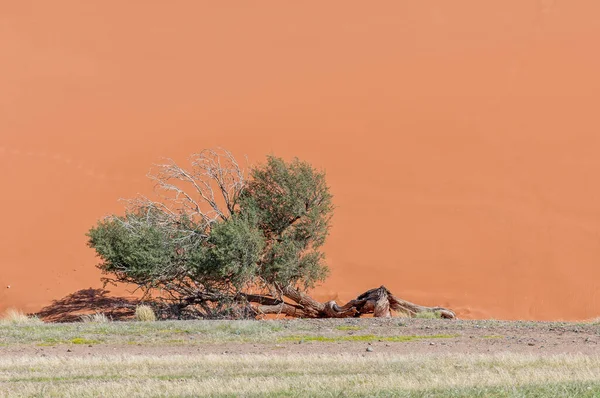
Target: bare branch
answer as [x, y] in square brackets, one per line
[216, 181]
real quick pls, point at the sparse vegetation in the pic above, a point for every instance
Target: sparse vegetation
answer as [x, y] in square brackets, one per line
[95, 318]
[294, 358]
[144, 313]
[456, 375]
[428, 315]
[195, 332]
[15, 317]
[80, 340]
[367, 338]
[349, 327]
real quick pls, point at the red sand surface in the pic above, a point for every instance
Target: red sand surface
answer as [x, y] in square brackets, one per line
[461, 138]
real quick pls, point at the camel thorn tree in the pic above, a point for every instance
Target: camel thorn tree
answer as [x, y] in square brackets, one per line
[218, 241]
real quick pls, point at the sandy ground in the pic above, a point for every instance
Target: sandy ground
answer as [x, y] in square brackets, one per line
[460, 138]
[481, 337]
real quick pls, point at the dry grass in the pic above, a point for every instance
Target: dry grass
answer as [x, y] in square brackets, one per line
[35, 332]
[146, 333]
[428, 315]
[16, 317]
[95, 318]
[297, 375]
[365, 338]
[105, 371]
[145, 313]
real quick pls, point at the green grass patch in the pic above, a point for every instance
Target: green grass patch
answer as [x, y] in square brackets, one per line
[81, 340]
[175, 341]
[493, 337]
[76, 340]
[174, 331]
[50, 341]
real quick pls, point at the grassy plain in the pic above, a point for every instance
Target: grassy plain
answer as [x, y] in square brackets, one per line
[332, 358]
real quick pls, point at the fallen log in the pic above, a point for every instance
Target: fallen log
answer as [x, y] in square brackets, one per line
[379, 301]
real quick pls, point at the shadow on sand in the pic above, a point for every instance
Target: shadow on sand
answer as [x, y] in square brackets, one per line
[88, 301]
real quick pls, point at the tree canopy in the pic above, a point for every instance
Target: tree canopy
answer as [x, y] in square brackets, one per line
[229, 234]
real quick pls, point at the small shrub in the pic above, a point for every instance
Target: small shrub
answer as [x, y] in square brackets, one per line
[144, 313]
[17, 317]
[95, 318]
[428, 315]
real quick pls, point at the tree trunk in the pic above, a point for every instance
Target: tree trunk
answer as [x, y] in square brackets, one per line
[379, 301]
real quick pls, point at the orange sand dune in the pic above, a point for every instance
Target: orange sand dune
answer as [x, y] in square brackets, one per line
[461, 138]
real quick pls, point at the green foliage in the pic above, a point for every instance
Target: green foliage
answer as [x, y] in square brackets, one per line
[293, 208]
[290, 194]
[232, 253]
[138, 249]
[271, 237]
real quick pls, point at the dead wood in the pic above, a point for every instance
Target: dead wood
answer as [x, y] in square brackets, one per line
[379, 301]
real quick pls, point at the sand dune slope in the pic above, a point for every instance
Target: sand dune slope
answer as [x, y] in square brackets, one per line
[460, 138]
